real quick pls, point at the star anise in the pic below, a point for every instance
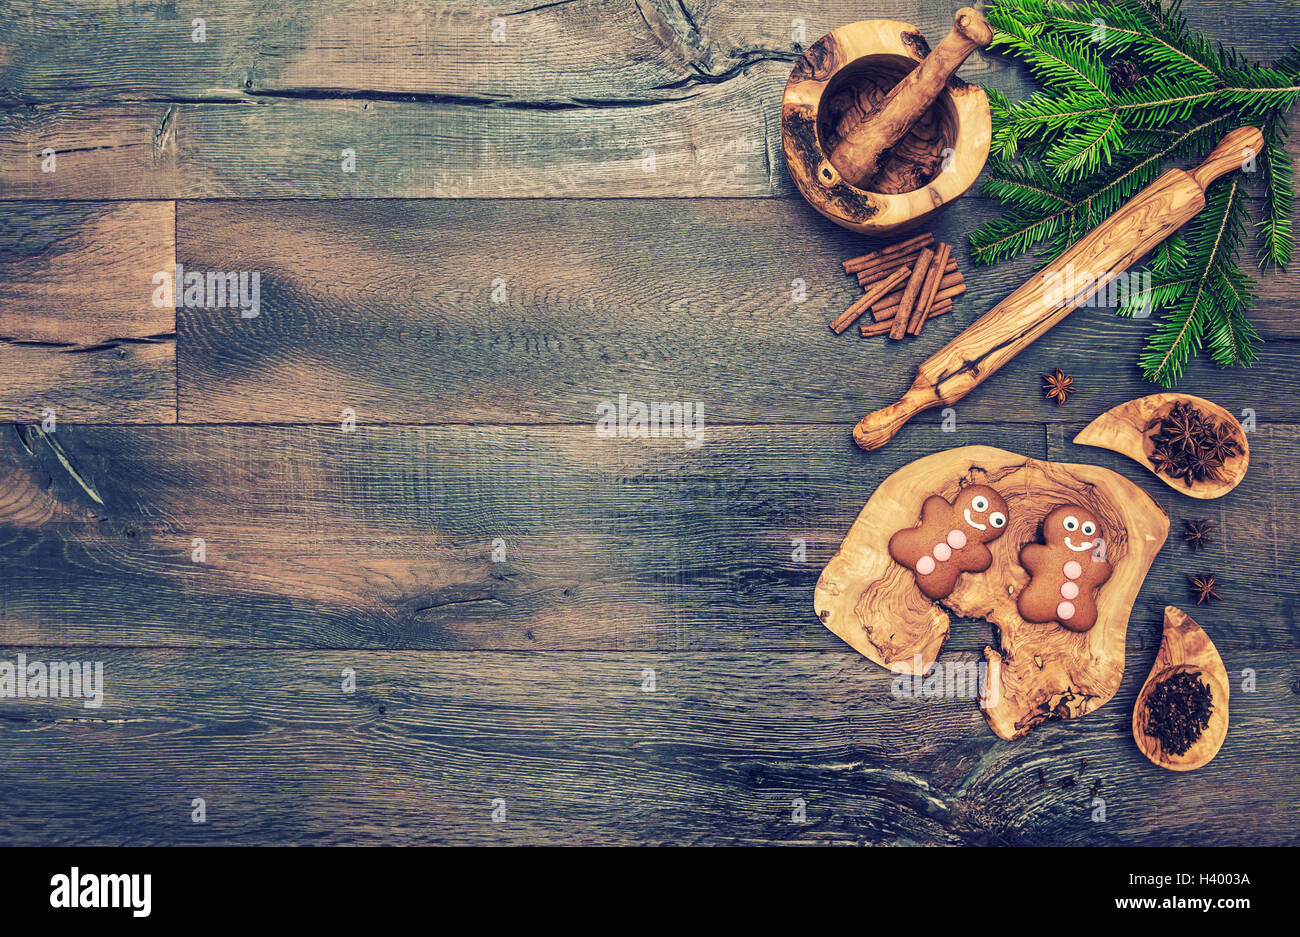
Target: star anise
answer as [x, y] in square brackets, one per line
[1197, 534]
[1058, 386]
[1161, 461]
[1222, 443]
[1189, 445]
[1180, 433]
[1202, 465]
[1202, 587]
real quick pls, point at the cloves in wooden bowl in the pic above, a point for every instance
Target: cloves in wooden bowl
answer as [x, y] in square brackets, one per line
[1191, 444]
[1181, 716]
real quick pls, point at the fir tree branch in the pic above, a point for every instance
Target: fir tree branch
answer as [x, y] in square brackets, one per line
[991, 242]
[1277, 241]
[1093, 136]
[1180, 334]
[1152, 107]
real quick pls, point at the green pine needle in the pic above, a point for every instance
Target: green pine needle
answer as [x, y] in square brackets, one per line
[1207, 291]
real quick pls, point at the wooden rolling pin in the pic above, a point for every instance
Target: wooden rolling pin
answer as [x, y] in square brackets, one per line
[858, 153]
[1003, 332]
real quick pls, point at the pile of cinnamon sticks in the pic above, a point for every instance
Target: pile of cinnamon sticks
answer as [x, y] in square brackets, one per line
[904, 285]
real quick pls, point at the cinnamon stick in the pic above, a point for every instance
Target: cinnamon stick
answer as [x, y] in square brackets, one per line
[855, 264]
[887, 266]
[898, 247]
[950, 268]
[930, 289]
[889, 260]
[890, 313]
[939, 308]
[850, 315]
[885, 308]
[914, 283]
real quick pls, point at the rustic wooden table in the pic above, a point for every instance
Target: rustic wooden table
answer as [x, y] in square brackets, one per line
[472, 228]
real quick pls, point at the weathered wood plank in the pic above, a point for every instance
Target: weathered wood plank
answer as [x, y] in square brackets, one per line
[106, 151]
[701, 142]
[552, 53]
[567, 105]
[389, 308]
[384, 537]
[79, 333]
[579, 752]
[580, 99]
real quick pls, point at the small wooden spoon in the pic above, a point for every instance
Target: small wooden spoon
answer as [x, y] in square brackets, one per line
[1185, 647]
[1124, 430]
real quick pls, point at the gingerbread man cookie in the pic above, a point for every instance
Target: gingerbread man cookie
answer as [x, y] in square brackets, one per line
[1066, 571]
[951, 538]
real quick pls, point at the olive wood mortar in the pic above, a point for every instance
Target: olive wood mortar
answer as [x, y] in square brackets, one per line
[869, 101]
[1146, 220]
[864, 140]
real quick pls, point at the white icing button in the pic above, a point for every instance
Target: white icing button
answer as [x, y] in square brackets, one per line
[1069, 590]
[956, 539]
[1072, 570]
[942, 552]
[925, 565]
[1064, 611]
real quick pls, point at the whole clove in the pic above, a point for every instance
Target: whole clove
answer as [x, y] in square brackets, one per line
[1178, 711]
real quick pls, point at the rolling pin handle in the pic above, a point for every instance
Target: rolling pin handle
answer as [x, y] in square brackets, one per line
[1233, 152]
[876, 429]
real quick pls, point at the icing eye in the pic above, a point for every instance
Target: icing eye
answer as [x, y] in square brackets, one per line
[1089, 528]
[980, 503]
[997, 519]
[1071, 523]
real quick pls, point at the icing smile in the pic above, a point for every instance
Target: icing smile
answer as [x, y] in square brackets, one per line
[971, 522]
[1086, 545]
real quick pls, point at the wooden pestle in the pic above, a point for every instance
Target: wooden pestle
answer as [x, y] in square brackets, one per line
[1094, 261]
[861, 147]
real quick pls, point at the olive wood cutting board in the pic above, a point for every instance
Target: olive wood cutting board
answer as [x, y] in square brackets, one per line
[1040, 671]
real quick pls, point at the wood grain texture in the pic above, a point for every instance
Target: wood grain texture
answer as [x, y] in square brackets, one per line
[406, 329]
[583, 49]
[79, 333]
[566, 104]
[383, 537]
[580, 754]
[434, 107]
[372, 550]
